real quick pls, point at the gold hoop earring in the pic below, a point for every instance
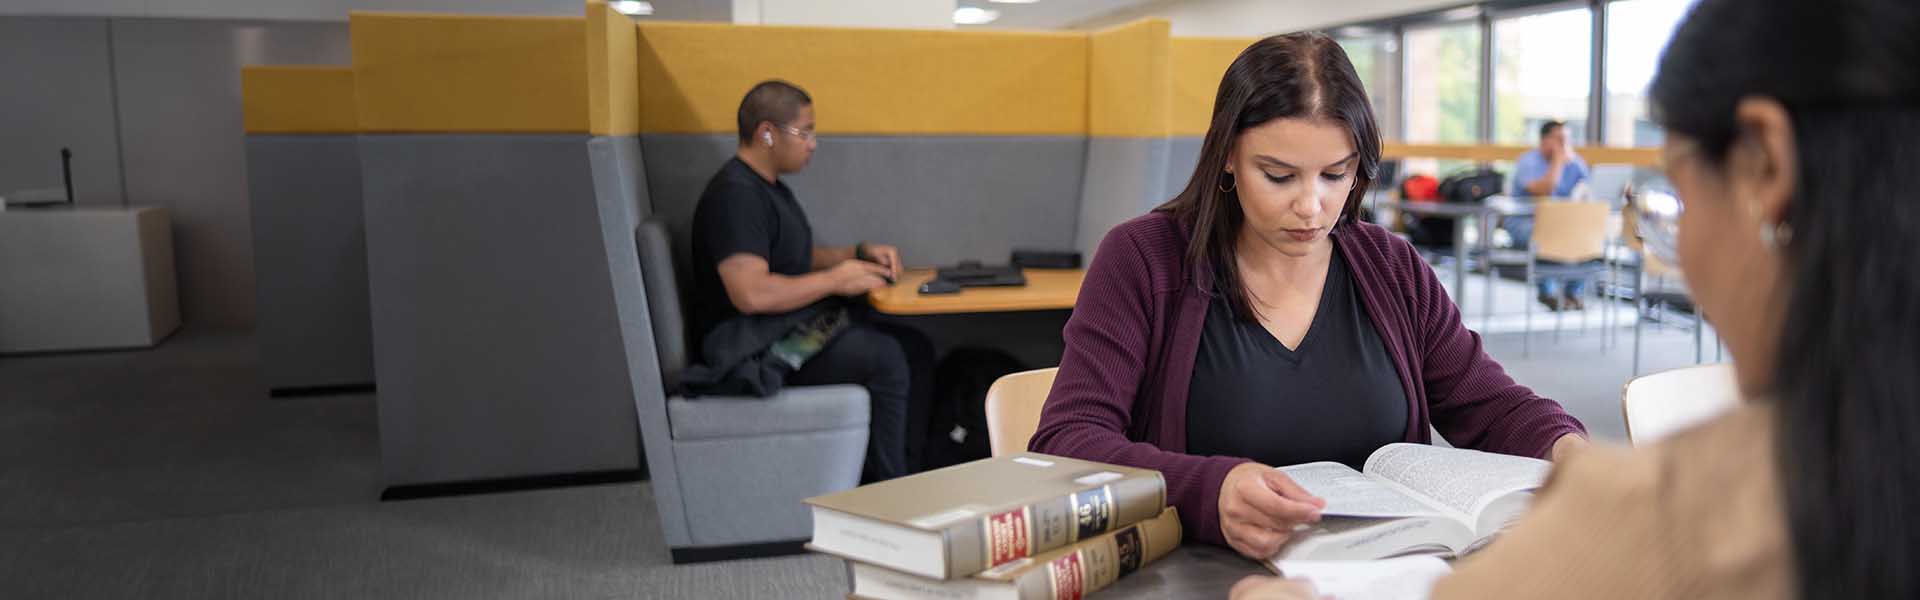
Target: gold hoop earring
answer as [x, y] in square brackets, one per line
[1229, 185]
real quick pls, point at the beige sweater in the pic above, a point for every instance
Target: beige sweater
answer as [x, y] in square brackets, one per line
[1697, 516]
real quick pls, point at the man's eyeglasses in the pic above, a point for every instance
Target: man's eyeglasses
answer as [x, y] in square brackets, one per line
[805, 135]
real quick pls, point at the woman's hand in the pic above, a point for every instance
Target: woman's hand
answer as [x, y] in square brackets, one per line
[1263, 587]
[1567, 446]
[1259, 506]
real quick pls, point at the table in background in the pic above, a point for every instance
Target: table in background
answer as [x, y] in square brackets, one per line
[1046, 289]
[1483, 212]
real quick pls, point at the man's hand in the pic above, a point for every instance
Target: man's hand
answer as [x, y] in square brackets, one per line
[886, 256]
[1259, 506]
[853, 277]
[1263, 587]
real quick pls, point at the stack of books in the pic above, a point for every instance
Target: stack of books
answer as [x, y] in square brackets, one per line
[1022, 527]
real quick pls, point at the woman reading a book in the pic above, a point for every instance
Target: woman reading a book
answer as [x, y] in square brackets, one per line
[1254, 321]
[1793, 130]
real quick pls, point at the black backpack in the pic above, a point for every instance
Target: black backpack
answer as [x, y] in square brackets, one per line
[957, 420]
[1471, 186]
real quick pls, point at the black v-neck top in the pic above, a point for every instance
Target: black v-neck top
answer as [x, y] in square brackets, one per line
[1337, 397]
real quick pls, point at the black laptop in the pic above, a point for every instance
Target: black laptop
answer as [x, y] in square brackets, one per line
[974, 274]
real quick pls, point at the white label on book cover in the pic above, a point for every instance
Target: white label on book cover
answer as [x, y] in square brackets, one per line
[1097, 478]
[1032, 462]
[942, 519]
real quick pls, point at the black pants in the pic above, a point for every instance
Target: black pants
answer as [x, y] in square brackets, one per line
[873, 357]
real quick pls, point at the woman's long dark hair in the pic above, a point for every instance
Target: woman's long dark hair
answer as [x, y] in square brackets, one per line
[1297, 75]
[1847, 373]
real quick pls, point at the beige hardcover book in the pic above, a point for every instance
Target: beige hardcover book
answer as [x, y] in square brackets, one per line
[964, 519]
[1068, 573]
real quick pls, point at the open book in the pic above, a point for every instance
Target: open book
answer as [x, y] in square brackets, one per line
[1412, 499]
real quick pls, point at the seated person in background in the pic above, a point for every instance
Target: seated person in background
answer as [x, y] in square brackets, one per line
[1550, 171]
[1790, 129]
[1253, 322]
[753, 253]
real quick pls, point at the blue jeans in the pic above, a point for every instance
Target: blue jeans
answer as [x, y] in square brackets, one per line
[1521, 229]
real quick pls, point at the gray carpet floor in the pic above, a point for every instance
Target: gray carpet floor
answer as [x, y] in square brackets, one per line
[169, 473]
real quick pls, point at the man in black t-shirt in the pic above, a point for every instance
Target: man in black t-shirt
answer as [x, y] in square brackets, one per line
[753, 254]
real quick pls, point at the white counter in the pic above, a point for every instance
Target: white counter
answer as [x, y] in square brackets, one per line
[86, 279]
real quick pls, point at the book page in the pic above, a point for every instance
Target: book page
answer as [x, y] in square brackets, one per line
[1463, 480]
[1394, 578]
[1358, 538]
[1350, 493]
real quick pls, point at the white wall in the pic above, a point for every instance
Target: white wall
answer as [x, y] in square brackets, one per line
[1249, 18]
[913, 14]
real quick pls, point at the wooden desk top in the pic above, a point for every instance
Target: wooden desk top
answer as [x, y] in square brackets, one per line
[1046, 289]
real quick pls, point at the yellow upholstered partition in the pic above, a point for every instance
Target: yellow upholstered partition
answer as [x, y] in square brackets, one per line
[1128, 77]
[867, 81]
[613, 78]
[1198, 64]
[297, 100]
[426, 73]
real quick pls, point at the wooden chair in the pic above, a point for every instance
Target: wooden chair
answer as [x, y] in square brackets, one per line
[1660, 404]
[1569, 242]
[1013, 409]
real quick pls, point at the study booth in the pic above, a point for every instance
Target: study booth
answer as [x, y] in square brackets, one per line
[501, 168]
[525, 187]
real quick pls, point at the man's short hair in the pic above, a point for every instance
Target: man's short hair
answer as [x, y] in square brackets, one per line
[1547, 128]
[773, 101]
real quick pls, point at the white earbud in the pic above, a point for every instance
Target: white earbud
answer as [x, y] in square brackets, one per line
[768, 136]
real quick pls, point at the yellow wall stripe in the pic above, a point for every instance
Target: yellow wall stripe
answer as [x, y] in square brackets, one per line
[1594, 155]
[297, 100]
[867, 81]
[466, 73]
[1198, 64]
[1128, 73]
[613, 77]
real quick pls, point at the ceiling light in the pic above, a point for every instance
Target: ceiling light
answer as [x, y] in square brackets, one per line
[973, 15]
[632, 7]
[1013, 1]
[1464, 12]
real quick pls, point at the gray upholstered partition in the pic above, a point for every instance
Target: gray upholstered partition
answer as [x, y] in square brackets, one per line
[940, 199]
[310, 261]
[497, 330]
[1183, 153]
[1126, 177]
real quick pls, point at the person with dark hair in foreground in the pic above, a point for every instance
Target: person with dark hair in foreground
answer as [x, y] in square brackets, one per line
[1791, 136]
[1253, 321]
[753, 254]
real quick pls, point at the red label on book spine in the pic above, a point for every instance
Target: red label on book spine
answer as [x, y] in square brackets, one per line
[1069, 583]
[1007, 538]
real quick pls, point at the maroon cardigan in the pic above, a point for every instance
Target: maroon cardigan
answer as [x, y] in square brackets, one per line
[1121, 392]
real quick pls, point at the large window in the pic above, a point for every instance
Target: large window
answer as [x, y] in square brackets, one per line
[1375, 56]
[1637, 33]
[1443, 84]
[1542, 70]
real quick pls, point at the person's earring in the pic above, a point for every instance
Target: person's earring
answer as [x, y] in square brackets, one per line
[1226, 183]
[1776, 235]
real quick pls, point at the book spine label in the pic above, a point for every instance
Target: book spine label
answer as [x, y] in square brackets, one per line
[1016, 533]
[1096, 563]
[1007, 536]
